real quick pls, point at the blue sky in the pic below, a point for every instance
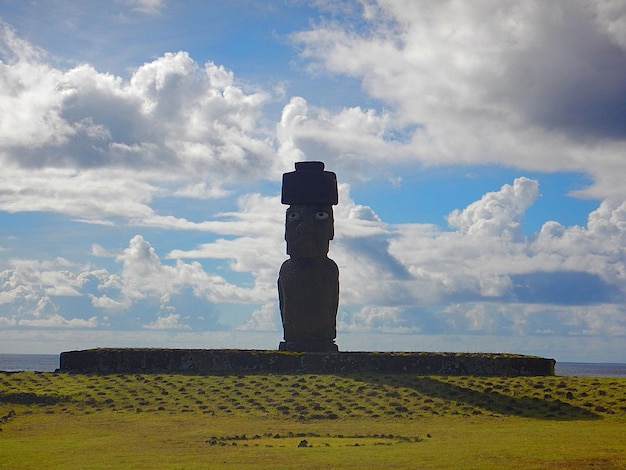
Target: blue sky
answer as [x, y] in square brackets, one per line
[479, 147]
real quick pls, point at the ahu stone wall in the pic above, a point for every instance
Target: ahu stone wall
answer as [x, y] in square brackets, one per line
[145, 360]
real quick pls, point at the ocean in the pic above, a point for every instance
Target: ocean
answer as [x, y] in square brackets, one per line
[36, 362]
[50, 362]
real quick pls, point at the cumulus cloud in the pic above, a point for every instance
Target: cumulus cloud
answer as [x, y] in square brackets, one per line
[480, 262]
[532, 85]
[106, 302]
[353, 140]
[29, 291]
[143, 275]
[171, 321]
[106, 146]
[376, 318]
[264, 319]
[498, 213]
[59, 293]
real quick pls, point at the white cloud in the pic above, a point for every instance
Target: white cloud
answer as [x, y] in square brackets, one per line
[106, 302]
[498, 213]
[144, 275]
[96, 146]
[91, 195]
[100, 251]
[171, 321]
[376, 318]
[263, 319]
[150, 7]
[47, 277]
[531, 85]
[57, 321]
[255, 243]
[29, 96]
[57, 292]
[354, 141]
[200, 190]
[482, 259]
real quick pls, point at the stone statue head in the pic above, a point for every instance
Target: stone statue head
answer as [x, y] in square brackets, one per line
[309, 229]
[309, 225]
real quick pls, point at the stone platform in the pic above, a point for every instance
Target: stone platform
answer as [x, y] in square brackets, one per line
[206, 361]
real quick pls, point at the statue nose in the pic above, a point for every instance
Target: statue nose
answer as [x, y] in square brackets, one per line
[305, 226]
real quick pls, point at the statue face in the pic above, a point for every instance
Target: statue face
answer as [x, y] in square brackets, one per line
[308, 230]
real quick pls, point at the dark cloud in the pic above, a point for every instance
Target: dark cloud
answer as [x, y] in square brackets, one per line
[376, 251]
[564, 288]
[568, 74]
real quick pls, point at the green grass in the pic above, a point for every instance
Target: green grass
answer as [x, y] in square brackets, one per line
[57, 420]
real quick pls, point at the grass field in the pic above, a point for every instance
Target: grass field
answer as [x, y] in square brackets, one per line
[58, 420]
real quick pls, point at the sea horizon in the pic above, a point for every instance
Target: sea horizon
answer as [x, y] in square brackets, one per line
[50, 363]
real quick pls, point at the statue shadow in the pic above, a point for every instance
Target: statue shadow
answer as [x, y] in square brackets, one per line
[490, 401]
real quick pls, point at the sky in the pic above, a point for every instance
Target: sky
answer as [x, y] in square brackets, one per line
[480, 150]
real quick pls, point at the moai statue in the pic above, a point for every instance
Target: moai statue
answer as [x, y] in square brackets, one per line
[308, 283]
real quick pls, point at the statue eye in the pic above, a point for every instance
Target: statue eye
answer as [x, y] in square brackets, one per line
[321, 215]
[293, 216]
